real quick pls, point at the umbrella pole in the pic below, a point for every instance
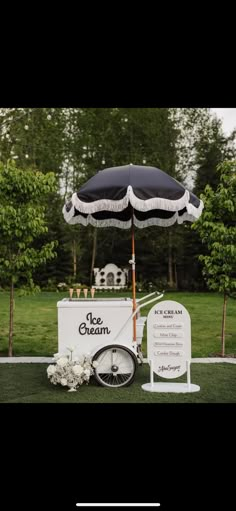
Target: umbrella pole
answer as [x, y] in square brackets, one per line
[133, 280]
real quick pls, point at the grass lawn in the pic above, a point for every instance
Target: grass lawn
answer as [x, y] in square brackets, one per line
[35, 322]
[28, 383]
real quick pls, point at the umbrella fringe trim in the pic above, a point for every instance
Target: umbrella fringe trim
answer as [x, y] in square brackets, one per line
[164, 222]
[130, 197]
[186, 217]
[100, 205]
[193, 211]
[68, 215]
[158, 202]
[161, 222]
[111, 222]
[192, 215]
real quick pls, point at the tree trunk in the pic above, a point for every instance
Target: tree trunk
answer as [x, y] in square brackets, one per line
[223, 326]
[93, 255]
[170, 261]
[74, 259]
[176, 275]
[10, 345]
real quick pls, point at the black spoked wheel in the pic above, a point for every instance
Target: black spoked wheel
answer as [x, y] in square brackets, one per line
[116, 366]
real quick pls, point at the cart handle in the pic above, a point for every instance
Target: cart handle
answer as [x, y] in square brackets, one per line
[137, 309]
[146, 296]
[159, 295]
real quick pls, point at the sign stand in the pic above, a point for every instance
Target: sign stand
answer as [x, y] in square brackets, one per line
[170, 387]
[169, 347]
[188, 374]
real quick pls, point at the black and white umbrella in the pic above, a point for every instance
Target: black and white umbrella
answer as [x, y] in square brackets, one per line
[132, 195]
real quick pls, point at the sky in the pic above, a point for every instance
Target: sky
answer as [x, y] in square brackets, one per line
[228, 116]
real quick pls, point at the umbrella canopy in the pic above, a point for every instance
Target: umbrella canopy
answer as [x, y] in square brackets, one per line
[143, 195]
[132, 195]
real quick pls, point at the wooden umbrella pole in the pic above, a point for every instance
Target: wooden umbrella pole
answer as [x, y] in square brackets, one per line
[133, 280]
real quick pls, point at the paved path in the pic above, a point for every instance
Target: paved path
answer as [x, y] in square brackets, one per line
[25, 360]
[48, 360]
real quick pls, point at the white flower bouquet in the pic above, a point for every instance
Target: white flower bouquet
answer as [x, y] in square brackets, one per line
[70, 373]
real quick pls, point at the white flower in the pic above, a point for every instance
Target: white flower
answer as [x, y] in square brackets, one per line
[70, 373]
[62, 362]
[49, 117]
[72, 389]
[95, 363]
[77, 369]
[51, 370]
[56, 355]
[26, 127]
[70, 348]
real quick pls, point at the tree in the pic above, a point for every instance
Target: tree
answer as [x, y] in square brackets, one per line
[217, 229]
[22, 222]
[33, 137]
[200, 147]
[212, 148]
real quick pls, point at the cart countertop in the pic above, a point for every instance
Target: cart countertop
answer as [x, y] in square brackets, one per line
[95, 302]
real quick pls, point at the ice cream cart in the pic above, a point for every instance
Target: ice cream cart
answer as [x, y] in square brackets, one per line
[102, 328]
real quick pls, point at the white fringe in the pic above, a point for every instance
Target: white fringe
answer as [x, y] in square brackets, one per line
[100, 205]
[111, 222]
[191, 215]
[195, 212]
[167, 222]
[158, 203]
[68, 215]
[161, 222]
[186, 217]
[139, 204]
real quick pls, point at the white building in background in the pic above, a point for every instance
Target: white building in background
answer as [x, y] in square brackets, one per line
[110, 277]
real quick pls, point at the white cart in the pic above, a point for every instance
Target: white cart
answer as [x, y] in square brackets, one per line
[103, 330]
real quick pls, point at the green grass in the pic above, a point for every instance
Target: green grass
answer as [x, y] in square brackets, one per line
[28, 383]
[35, 322]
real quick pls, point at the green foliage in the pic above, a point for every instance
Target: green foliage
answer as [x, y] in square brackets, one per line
[33, 136]
[212, 148]
[217, 229]
[22, 222]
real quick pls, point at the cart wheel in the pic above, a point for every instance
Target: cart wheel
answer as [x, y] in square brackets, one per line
[116, 366]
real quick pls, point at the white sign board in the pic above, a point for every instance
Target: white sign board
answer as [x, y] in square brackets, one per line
[169, 339]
